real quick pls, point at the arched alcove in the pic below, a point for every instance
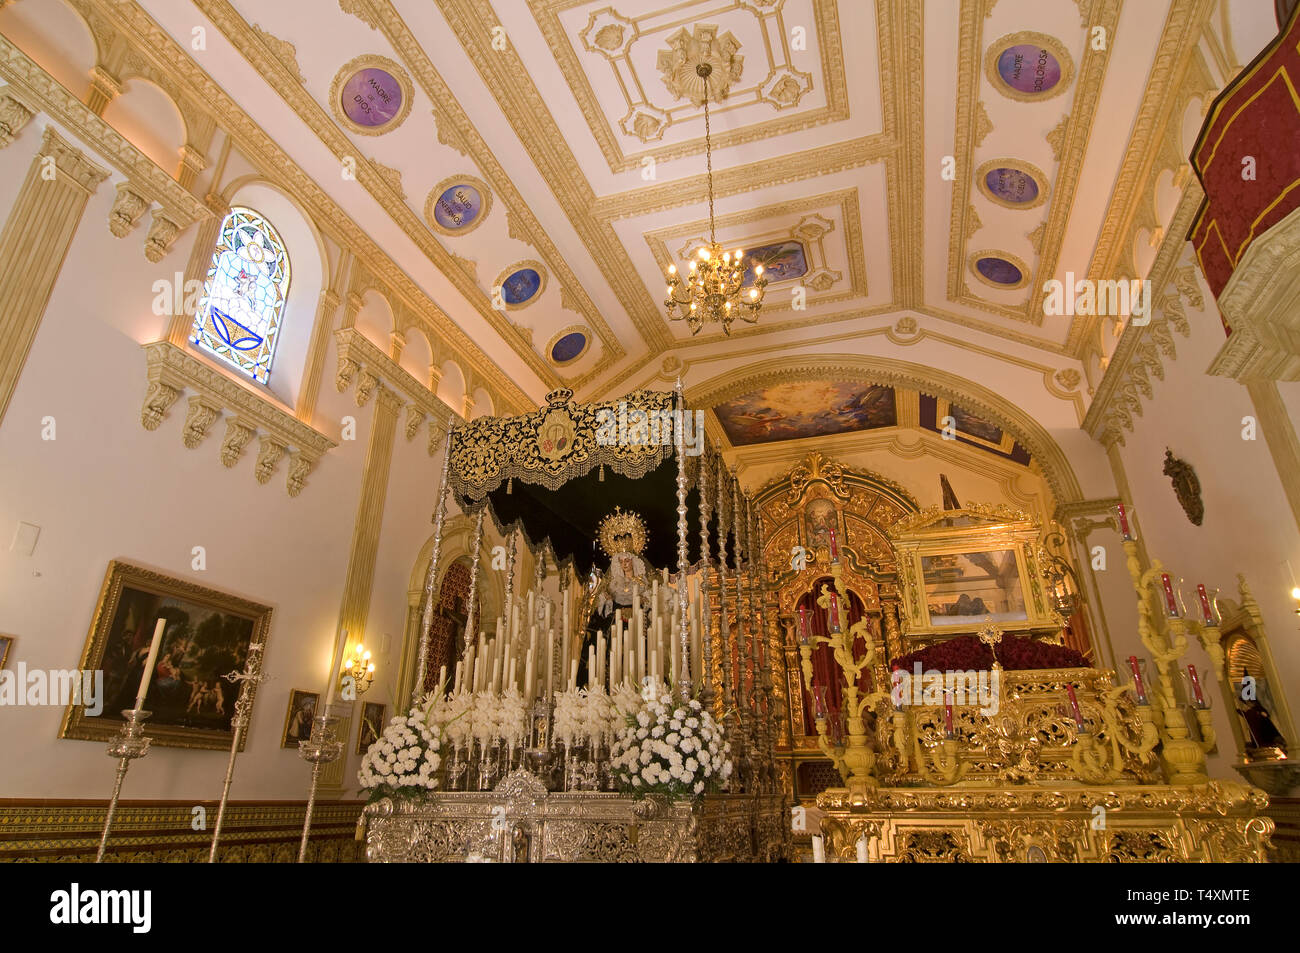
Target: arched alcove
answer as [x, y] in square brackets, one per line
[375, 320]
[56, 38]
[147, 116]
[483, 405]
[417, 355]
[451, 389]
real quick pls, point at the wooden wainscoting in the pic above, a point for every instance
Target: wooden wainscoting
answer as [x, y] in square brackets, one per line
[48, 831]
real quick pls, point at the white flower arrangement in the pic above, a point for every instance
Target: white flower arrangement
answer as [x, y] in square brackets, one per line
[511, 718]
[670, 747]
[404, 758]
[567, 722]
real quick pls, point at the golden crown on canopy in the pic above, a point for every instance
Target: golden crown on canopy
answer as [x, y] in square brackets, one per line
[622, 532]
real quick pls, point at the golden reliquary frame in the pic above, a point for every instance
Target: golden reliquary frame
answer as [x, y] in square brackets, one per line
[959, 568]
[798, 510]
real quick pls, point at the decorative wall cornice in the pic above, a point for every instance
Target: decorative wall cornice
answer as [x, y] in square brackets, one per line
[173, 371]
[363, 363]
[1140, 352]
[137, 28]
[149, 183]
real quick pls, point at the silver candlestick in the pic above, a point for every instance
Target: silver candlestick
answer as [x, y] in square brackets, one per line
[128, 744]
[321, 748]
[250, 676]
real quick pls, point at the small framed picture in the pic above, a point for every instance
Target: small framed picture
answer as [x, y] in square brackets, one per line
[297, 721]
[372, 725]
[6, 643]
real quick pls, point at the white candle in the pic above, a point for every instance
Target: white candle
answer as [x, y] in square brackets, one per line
[336, 659]
[528, 680]
[455, 688]
[147, 675]
[442, 680]
[496, 676]
[591, 665]
[532, 607]
[550, 661]
[654, 665]
[819, 849]
[573, 676]
[672, 666]
[862, 850]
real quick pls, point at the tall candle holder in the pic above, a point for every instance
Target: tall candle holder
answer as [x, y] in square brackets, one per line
[249, 677]
[854, 759]
[321, 748]
[128, 744]
[1164, 634]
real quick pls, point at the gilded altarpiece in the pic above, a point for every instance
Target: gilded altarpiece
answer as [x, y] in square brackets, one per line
[800, 512]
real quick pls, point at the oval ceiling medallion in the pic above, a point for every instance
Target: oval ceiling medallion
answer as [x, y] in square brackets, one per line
[457, 205]
[1028, 66]
[569, 345]
[521, 284]
[1012, 183]
[371, 95]
[999, 269]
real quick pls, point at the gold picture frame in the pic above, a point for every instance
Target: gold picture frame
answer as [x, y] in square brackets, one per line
[6, 643]
[301, 727]
[371, 61]
[371, 726]
[208, 635]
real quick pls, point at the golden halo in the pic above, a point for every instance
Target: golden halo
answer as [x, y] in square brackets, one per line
[618, 524]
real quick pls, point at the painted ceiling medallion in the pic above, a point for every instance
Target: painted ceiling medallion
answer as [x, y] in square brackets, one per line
[457, 205]
[999, 269]
[1028, 66]
[687, 51]
[1012, 183]
[569, 345]
[371, 95]
[520, 285]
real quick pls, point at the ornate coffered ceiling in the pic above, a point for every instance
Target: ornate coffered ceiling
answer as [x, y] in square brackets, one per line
[899, 159]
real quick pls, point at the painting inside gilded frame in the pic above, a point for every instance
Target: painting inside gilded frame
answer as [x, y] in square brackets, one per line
[962, 588]
[207, 636]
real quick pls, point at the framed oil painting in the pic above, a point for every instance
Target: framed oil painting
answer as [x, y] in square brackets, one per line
[372, 725]
[207, 636]
[297, 720]
[973, 586]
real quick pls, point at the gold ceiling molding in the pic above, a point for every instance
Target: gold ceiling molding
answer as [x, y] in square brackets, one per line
[827, 27]
[287, 54]
[1018, 165]
[1087, 92]
[464, 136]
[1139, 353]
[139, 29]
[779, 170]
[883, 370]
[361, 361]
[392, 177]
[237, 30]
[810, 233]
[1056, 138]
[345, 73]
[1166, 84]
[896, 22]
[983, 125]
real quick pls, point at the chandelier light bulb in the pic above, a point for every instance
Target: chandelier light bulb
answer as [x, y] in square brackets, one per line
[704, 254]
[672, 269]
[758, 269]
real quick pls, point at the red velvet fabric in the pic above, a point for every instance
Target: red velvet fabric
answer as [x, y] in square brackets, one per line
[826, 671]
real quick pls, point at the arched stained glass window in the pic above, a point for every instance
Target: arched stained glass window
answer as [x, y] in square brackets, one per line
[243, 297]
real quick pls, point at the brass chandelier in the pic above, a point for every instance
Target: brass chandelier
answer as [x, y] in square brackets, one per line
[712, 290]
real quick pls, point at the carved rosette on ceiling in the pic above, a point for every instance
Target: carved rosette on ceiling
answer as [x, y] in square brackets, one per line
[687, 51]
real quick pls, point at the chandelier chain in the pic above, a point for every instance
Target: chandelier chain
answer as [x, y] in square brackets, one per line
[708, 158]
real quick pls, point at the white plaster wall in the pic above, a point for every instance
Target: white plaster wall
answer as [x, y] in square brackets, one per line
[1248, 526]
[107, 488]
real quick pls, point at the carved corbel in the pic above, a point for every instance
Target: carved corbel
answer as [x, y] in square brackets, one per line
[202, 414]
[238, 433]
[156, 404]
[366, 385]
[300, 465]
[347, 369]
[269, 452]
[162, 235]
[104, 88]
[436, 437]
[414, 417]
[13, 116]
[128, 207]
